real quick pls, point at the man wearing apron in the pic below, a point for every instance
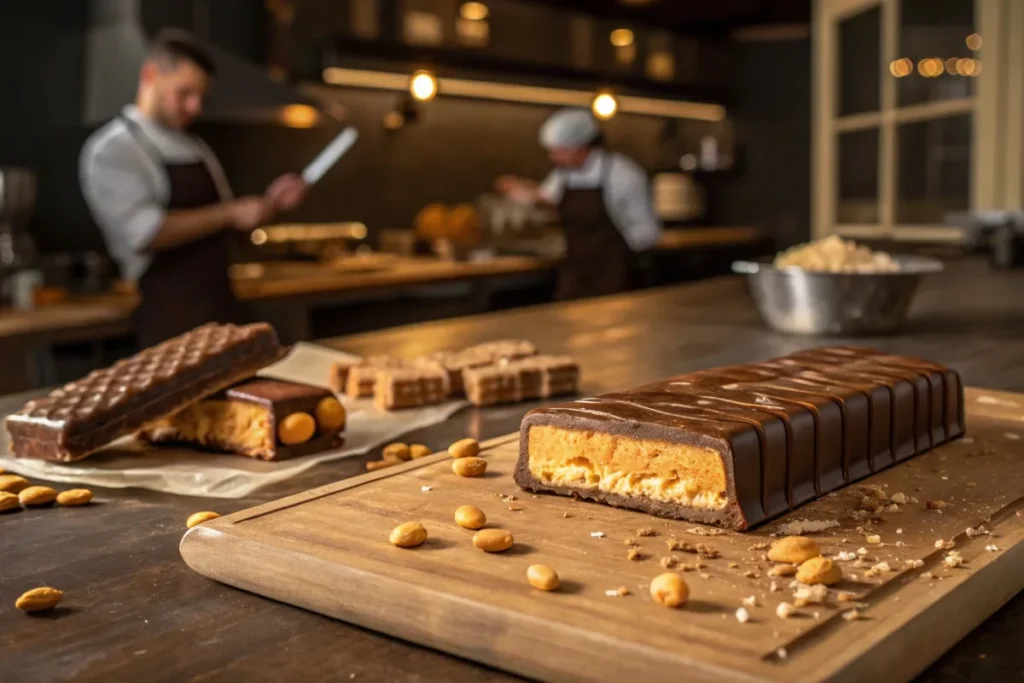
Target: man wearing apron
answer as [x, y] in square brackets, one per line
[161, 200]
[603, 202]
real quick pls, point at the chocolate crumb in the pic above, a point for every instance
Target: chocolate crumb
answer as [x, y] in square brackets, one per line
[634, 555]
[646, 531]
[706, 552]
[668, 562]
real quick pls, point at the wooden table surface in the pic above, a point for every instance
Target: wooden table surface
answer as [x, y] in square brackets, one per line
[135, 612]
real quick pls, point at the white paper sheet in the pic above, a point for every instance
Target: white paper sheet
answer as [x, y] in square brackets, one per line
[192, 473]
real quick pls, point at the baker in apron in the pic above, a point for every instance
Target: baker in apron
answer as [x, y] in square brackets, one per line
[603, 201]
[161, 199]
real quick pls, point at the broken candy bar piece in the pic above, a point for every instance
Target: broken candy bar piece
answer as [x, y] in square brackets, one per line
[83, 416]
[487, 353]
[521, 380]
[267, 419]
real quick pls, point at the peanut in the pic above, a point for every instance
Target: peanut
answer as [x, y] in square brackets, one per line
[296, 428]
[542, 577]
[8, 501]
[670, 590]
[73, 497]
[397, 452]
[469, 467]
[199, 517]
[793, 550]
[470, 517]
[330, 414]
[492, 540]
[819, 570]
[408, 535]
[465, 448]
[37, 495]
[418, 450]
[12, 483]
[39, 599]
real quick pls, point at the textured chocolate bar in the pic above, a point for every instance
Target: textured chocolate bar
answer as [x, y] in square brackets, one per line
[411, 387]
[526, 379]
[803, 426]
[247, 419]
[83, 416]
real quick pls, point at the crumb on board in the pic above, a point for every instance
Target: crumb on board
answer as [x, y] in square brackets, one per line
[597, 534]
[668, 562]
[953, 559]
[742, 615]
[759, 546]
[944, 545]
[634, 555]
[801, 527]
[992, 548]
[781, 653]
[750, 601]
[852, 614]
[705, 531]
[734, 565]
[914, 564]
[936, 504]
[873, 539]
[646, 531]
[424, 489]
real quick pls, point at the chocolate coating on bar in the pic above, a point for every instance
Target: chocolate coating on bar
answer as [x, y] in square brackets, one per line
[83, 416]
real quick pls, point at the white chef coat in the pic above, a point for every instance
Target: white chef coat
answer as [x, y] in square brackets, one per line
[127, 190]
[627, 195]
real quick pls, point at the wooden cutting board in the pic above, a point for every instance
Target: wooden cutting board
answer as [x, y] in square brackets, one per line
[327, 550]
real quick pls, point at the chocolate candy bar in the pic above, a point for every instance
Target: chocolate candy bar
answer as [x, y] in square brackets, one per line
[520, 380]
[422, 384]
[738, 445]
[83, 416]
[479, 355]
[360, 378]
[267, 419]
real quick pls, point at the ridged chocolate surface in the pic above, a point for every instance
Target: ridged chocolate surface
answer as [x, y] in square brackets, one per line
[820, 419]
[84, 415]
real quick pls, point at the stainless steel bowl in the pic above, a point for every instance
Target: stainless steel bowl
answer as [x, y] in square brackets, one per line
[799, 301]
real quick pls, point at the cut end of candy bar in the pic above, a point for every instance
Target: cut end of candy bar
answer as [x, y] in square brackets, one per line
[248, 419]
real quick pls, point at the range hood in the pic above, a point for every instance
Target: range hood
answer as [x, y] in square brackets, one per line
[115, 48]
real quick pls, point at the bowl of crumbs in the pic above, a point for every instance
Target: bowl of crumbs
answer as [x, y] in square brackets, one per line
[835, 287]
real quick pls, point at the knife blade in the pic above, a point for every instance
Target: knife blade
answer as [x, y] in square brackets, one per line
[329, 155]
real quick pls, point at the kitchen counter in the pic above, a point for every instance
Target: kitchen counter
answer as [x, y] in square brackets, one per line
[136, 612]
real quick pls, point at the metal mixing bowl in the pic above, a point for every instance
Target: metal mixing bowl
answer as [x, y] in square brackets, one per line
[799, 301]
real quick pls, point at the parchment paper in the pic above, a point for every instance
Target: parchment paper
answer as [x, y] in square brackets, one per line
[186, 472]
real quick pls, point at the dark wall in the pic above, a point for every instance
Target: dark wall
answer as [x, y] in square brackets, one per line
[452, 153]
[773, 126]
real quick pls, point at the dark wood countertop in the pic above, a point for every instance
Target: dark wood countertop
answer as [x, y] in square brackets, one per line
[136, 612]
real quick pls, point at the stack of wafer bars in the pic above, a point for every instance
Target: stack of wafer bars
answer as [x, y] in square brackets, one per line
[738, 445]
[198, 389]
[502, 371]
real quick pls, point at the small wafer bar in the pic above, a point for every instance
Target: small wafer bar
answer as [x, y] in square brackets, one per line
[81, 417]
[738, 445]
[480, 355]
[414, 386]
[526, 379]
[261, 418]
[359, 379]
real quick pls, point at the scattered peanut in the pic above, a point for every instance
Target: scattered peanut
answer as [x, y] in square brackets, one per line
[418, 450]
[492, 540]
[39, 599]
[408, 535]
[296, 428]
[470, 517]
[37, 495]
[330, 414]
[374, 465]
[199, 517]
[8, 501]
[782, 570]
[819, 570]
[465, 448]
[793, 550]
[670, 590]
[469, 466]
[12, 483]
[396, 452]
[74, 497]
[542, 577]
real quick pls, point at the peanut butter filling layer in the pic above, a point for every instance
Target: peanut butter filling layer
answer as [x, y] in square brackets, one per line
[241, 426]
[584, 460]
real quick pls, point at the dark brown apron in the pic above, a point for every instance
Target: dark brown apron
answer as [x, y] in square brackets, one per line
[598, 261]
[188, 285]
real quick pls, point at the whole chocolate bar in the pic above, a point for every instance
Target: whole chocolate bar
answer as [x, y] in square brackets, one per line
[261, 418]
[83, 416]
[738, 445]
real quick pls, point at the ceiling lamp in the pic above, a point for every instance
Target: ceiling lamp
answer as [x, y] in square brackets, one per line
[474, 11]
[423, 86]
[621, 37]
[604, 106]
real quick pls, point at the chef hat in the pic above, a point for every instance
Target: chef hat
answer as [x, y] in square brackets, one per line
[571, 128]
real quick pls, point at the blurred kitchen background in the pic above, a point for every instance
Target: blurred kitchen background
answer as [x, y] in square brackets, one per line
[728, 104]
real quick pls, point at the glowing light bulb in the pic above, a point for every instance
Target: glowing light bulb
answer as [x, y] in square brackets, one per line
[605, 105]
[423, 86]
